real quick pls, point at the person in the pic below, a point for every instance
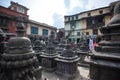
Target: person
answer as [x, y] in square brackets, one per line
[91, 46]
[45, 79]
[95, 45]
[72, 45]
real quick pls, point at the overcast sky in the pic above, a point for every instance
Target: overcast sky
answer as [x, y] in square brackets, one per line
[52, 12]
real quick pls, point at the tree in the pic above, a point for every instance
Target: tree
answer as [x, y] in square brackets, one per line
[60, 34]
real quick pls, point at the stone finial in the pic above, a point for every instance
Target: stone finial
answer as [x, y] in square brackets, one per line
[20, 28]
[117, 8]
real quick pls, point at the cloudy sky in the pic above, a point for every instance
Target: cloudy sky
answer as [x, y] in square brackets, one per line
[52, 12]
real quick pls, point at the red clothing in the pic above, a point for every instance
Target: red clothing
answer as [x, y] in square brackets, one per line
[95, 44]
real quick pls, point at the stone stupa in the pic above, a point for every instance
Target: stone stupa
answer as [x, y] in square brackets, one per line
[19, 62]
[105, 62]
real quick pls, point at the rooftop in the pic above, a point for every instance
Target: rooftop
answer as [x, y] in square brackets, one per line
[42, 24]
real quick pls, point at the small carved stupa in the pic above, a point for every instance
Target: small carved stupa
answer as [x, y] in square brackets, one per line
[38, 48]
[49, 55]
[67, 63]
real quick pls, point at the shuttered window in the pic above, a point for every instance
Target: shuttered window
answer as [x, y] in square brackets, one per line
[34, 30]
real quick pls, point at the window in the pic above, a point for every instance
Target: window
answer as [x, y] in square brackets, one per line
[3, 22]
[89, 14]
[93, 21]
[78, 33]
[95, 31]
[101, 11]
[87, 33]
[45, 32]
[100, 19]
[12, 8]
[21, 10]
[76, 16]
[66, 18]
[52, 32]
[34, 30]
[70, 18]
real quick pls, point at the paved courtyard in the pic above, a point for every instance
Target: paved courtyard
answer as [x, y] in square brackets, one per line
[82, 75]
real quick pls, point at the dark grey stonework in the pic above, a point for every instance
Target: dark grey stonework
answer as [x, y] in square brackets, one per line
[67, 63]
[48, 63]
[38, 48]
[1, 42]
[19, 61]
[104, 73]
[47, 57]
[82, 52]
[105, 63]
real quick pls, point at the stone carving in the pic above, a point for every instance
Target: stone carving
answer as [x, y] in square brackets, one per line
[48, 56]
[38, 49]
[18, 63]
[67, 63]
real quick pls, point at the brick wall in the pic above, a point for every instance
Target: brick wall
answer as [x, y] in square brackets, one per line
[12, 13]
[12, 23]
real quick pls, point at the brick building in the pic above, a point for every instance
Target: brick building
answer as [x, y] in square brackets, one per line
[8, 17]
[8, 22]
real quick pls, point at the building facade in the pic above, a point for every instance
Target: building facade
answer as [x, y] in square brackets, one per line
[8, 17]
[87, 23]
[8, 21]
[40, 30]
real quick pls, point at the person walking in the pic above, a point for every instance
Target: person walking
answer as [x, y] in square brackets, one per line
[91, 46]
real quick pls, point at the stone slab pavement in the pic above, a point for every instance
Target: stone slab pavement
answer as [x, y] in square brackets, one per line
[83, 75]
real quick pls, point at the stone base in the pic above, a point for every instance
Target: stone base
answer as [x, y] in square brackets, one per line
[48, 63]
[83, 64]
[67, 76]
[104, 73]
[38, 73]
[67, 69]
[39, 59]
